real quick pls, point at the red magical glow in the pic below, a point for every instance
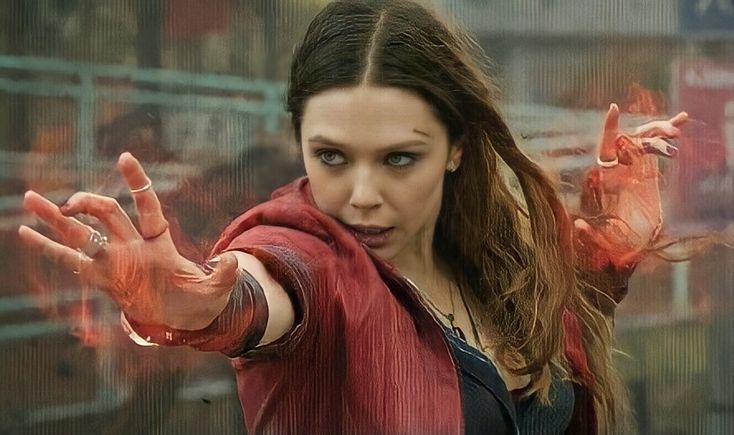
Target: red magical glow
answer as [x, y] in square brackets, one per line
[621, 206]
[640, 100]
[197, 206]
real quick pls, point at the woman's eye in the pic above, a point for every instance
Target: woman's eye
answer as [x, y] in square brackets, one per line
[401, 160]
[330, 158]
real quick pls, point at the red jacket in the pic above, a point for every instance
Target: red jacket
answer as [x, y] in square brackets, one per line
[366, 356]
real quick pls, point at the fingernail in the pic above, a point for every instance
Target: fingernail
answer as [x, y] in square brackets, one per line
[65, 208]
[672, 151]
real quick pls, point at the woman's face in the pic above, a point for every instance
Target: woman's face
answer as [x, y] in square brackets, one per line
[376, 157]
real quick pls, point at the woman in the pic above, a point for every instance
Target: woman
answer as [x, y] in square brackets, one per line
[399, 287]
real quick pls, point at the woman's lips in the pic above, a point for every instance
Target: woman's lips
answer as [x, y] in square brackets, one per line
[372, 236]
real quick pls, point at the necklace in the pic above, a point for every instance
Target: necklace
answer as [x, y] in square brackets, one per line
[450, 316]
[474, 330]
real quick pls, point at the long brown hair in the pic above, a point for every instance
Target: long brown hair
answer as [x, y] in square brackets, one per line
[513, 256]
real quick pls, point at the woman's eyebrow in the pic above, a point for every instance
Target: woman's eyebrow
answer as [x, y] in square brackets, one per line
[330, 142]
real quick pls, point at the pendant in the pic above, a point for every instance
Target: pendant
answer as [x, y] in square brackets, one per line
[455, 328]
[459, 332]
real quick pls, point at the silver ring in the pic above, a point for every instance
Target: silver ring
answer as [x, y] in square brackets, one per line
[607, 164]
[148, 185]
[95, 244]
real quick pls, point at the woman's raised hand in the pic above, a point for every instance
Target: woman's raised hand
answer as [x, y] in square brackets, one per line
[621, 196]
[140, 268]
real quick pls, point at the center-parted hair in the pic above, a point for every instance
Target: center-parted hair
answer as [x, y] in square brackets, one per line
[513, 259]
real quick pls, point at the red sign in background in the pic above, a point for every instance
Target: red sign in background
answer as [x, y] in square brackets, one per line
[188, 19]
[706, 160]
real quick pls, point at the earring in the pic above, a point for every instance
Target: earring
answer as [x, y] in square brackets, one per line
[451, 167]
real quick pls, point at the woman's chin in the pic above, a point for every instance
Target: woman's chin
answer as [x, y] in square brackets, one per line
[385, 252]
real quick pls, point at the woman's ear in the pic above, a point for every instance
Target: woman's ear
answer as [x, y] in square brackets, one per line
[455, 153]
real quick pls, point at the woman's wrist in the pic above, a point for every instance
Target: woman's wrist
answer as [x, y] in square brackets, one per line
[238, 326]
[196, 303]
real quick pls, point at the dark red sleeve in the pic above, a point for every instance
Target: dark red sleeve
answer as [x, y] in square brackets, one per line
[602, 277]
[300, 262]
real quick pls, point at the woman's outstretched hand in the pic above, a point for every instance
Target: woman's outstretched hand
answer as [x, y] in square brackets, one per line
[621, 207]
[140, 268]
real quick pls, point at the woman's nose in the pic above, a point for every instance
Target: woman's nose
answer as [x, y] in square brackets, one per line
[365, 193]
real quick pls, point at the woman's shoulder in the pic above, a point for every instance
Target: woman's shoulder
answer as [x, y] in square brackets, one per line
[290, 218]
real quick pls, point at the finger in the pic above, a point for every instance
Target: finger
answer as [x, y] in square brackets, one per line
[659, 146]
[679, 119]
[56, 252]
[667, 128]
[656, 128]
[70, 230]
[628, 149]
[608, 147]
[104, 208]
[151, 220]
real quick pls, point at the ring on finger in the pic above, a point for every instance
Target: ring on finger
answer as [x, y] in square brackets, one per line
[607, 164]
[148, 184]
[95, 244]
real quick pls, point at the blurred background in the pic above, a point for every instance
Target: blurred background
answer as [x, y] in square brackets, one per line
[195, 90]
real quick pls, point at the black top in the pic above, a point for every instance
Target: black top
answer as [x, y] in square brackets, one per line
[488, 406]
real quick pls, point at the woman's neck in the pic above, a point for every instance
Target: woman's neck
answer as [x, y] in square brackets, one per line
[432, 275]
